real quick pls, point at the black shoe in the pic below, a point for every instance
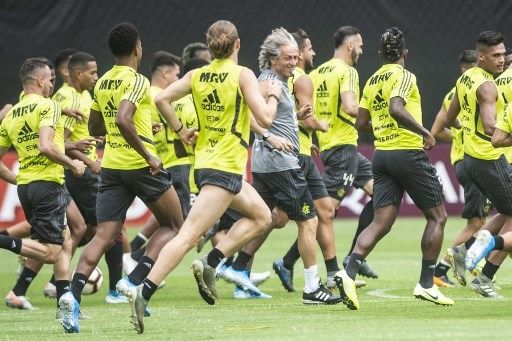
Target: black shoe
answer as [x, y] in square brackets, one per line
[322, 295]
[365, 269]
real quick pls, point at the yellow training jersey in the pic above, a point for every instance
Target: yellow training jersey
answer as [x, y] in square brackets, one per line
[476, 143]
[20, 128]
[392, 80]
[329, 80]
[69, 98]
[223, 117]
[305, 134]
[504, 84]
[457, 150]
[124, 83]
[186, 112]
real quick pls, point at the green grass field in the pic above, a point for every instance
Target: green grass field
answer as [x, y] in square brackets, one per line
[388, 309]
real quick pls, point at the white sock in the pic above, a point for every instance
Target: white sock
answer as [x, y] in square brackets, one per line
[311, 279]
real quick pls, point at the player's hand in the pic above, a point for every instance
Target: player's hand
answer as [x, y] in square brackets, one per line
[78, 167]
[155, 165]
[74, 113]
[188, 135]
[315, 151]
[304, 112]
[157, 127]
[85, 145]
[280, 143]
[95, 167]
[323, 125]
[429, 141]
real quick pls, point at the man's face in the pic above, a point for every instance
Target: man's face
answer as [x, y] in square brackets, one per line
[44, 80]
[287, 60]
[508, 61]
[54, 77]
[307, 54]
[355, 45]
[88, 76]
[492, 58]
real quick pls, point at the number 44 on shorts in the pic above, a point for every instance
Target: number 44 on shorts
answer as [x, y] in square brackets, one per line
[348, 178]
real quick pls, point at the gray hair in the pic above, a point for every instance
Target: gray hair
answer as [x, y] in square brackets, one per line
[271, 47]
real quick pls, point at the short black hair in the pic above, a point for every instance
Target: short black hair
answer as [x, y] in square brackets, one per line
[342, 33]
[63, 56]
[392, 44]
[194, 63]
[488, 39]
[300, 37]
[122, 39]
[164, 58]
[508, 51]
[191, 49]
[79, 60]
[468, 57]
[30, 66]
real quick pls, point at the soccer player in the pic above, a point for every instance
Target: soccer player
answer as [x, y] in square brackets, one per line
[336, 85]
[476, 205]
[196, 50]
[34, 127]
[223, 94]
[129, 168]
[391, 100]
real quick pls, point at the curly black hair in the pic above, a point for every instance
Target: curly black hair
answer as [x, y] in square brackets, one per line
[122, 39]
[392, 44]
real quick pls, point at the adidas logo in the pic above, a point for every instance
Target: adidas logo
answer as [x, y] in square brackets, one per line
[147, 264]
[13, 246]
[322, 296]
[212, 102]
[321, 91]
[147, 285]
[26, 133]
[379, 102]
[81, 281]
[465, 103]
[359, 262]
[110, 109]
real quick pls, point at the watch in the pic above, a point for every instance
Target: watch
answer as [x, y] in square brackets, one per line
[266, 135]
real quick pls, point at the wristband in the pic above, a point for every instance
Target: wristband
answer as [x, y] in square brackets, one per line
[177, 131]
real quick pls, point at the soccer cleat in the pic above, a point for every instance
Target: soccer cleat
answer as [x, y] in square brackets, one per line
[455, 256]
[285, 275]
[432, 295]
[70, 312]
[205, 279]
[50, 290]
[482, 246]
[365, 269]
[331, 284]
[240, 293]
[322, 295]
[485, 287]
[259, 277]
[238, 277]
[443, 282]
[114, 297]
[141, 305]
[128, 263]
[129, 290]
[18, 302]
[347, 287]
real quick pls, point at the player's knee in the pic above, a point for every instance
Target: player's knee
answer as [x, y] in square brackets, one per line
[325, 213]
[263, 219]
[53, 255]
[279, 219]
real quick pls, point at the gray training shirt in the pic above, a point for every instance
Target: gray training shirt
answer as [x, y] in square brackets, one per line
[264, 158]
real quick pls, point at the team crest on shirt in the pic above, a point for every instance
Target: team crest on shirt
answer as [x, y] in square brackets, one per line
[306, 209]
[341, 192]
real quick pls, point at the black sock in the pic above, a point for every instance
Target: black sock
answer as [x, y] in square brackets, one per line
[354, 262]
[137, 255]
[427, 273]
[62, 288]
[4, 232]
[499, 243]
[469, 242]
[365, 219]
[241, 261]
[26, 277]
[114, 260]
[138, 242]
[441, 269]
[148, 289]
[215, 257]
[332, 264]
[77, 285]
[141, 270]
[229, 261]
[489, 270]
[291, 256]
[12, 244]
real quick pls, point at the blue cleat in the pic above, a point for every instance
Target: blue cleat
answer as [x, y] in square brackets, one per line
[115, 297]
[285, 275]
[240, 293]
[70, 309]
[482, 246]
[238, 277]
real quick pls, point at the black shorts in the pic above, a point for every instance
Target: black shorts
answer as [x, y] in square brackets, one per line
[84, 191]
[494, 179]
[345, 168]
[396, 171]
[44, 204]
[229, 181]
[313, 178]
[118, 189]
[287, 190]
[476, 205]
[229, 218]
[180, 180]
